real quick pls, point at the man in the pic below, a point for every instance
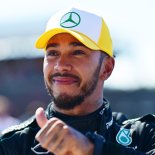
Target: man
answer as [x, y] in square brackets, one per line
[78, 121]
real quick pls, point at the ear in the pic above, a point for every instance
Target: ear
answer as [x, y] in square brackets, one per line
[107, 67]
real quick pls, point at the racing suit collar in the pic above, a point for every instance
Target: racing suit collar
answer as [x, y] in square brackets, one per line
[97, 121]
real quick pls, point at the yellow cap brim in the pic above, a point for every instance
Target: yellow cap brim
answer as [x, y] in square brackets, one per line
[41, 43]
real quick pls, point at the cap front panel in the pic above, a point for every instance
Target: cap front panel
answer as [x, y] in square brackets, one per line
[83, 22]
[79, 21]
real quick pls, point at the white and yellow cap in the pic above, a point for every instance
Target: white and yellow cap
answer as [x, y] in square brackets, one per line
[88, 28]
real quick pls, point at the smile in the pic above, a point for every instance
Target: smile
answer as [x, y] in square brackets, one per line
[64, 80]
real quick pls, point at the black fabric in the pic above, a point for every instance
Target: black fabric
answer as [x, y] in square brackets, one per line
[119, 117]
[98, 140]
[94, 122]
[20, 140]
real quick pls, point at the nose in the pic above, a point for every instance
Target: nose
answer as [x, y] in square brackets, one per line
[62, 65]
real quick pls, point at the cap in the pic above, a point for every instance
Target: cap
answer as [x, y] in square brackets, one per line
[90, 29]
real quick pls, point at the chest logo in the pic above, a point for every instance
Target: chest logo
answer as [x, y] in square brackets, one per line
[123, 137]
[70, 19]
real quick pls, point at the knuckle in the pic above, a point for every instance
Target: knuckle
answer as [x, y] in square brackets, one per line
[67, 130]
[39, 136]
[59, 123]
[48, 124]
[53, 119]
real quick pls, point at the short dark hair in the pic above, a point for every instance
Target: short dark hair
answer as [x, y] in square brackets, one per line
[103, 55]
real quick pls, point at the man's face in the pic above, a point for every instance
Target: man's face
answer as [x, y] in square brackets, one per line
[71, 70]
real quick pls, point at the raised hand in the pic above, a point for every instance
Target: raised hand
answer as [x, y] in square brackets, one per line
[61, 139]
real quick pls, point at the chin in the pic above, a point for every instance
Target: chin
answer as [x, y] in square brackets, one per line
[58, 94]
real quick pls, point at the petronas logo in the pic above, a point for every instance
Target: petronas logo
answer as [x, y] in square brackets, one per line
[123, 137]
[70, 19]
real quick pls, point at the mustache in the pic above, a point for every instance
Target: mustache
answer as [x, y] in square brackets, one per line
[64, 75]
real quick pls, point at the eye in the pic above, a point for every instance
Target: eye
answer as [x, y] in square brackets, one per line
[78, 52]
[52, 53]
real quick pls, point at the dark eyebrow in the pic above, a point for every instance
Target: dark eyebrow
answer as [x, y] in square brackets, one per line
[52, 45]
[76, 44]
[71, 44]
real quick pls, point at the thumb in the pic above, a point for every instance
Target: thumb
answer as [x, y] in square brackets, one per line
[41, 117]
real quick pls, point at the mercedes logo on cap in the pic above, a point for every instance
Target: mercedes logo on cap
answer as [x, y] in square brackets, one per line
[70, 19]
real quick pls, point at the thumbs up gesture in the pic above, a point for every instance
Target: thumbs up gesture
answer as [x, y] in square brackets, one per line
[59, 138]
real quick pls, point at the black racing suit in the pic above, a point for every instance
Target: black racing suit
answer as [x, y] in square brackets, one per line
[109, 134]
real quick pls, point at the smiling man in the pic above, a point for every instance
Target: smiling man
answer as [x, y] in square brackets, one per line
[68, 79]
[78, 121]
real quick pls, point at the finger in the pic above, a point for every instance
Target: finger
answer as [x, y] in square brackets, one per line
[62, 150]
[63, 147]
[55, 135]
[40, 117]
[42, 136]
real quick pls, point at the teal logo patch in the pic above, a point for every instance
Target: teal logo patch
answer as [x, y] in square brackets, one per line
[123, 137]
[70, 19]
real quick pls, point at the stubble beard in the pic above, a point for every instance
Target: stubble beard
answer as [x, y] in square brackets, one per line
[68, 102]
